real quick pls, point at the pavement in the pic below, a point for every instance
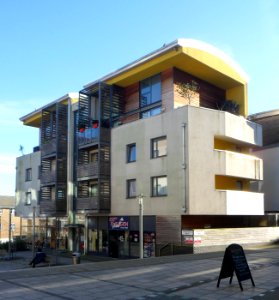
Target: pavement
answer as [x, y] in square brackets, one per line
[191, 276]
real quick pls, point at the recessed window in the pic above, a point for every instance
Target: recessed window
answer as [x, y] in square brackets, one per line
[28, 174]
[150, 90]
[159, 147]
[93, 190]
[131, 153]
[131, 188]
[159, 186]
[150, 94]
[28, 198]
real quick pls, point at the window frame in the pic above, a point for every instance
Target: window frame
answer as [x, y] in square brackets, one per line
[157, 193]
[28, 174]
[153, 149]
[147, 88]
[28, 198]
[129, 147]
[129, 194]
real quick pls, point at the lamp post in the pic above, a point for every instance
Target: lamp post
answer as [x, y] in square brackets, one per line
[140, 199]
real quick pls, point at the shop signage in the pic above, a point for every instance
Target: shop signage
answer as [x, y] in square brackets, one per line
[234, 261]
[118, 223]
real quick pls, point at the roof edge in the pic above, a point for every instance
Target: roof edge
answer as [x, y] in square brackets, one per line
[65, 97]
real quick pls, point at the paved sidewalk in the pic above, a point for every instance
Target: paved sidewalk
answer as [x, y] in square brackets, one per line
[177, 277]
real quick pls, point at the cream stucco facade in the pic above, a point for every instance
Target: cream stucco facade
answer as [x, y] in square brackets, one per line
[191, 164]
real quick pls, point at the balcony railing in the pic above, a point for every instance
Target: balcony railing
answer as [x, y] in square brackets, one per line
[238, 165]
[242, 203]
[93, 170]
[93, 135]
[101, 203]
[48, 177]
[48, 147]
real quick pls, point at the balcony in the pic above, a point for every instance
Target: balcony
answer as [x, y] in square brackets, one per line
[238, 165]
[242, 203]
[93, 169]
[48, 177]
[93, 135]
[48, 147]
[93, 203]
[241, 129]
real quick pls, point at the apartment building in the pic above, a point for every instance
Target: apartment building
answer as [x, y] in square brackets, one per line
[169, 128]
[269, 153]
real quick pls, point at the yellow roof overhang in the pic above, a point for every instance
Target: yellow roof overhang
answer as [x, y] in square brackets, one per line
[34, 119]
[196, 58]
[199, 63]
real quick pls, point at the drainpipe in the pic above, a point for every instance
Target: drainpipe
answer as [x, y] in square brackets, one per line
[184, 168]
[70, 166]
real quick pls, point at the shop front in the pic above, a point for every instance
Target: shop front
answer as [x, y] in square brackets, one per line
[118, 236]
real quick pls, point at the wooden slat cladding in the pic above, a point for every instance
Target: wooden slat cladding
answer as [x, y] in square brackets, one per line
[167, 89]
[210, 96]
[131, 95]
[168, 229]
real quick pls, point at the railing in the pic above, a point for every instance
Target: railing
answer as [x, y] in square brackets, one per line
[92, 135]
[93, 203]
[48, 177]
[48, 147]
[92, 169]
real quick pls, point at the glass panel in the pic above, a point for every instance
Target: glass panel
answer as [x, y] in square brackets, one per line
[131, 153]
[131, 188]
[162, 186]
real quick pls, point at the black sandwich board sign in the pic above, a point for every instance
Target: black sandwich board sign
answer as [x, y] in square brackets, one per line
[235, 261]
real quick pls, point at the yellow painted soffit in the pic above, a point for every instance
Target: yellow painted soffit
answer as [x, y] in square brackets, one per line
[217, 63]
[199, 63]
[34, 119]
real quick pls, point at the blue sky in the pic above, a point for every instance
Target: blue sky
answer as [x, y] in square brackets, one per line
[52, 47]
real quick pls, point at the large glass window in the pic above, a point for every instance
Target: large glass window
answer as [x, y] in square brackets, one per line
[150, 93]
[131, 153]
[150, 90]
[159, 147]
[131, 188]
[159, 186]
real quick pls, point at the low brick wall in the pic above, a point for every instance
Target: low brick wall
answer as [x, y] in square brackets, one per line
[209, 240]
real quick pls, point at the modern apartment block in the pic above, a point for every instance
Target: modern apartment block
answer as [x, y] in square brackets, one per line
[169, 128]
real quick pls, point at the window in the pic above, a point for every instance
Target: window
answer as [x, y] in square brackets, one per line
[93, 156]
[28, 198]
[131, 188]
[131, 153]
[52, 193]
[159, 186]
[150, 93]
[150, 90]
[93, 190]
[28, 174]
[159, 147]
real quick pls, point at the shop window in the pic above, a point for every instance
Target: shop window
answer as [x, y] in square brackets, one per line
[158, 147]
[159, 186]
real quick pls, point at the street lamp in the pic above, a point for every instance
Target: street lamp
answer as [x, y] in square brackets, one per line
[140, 199]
